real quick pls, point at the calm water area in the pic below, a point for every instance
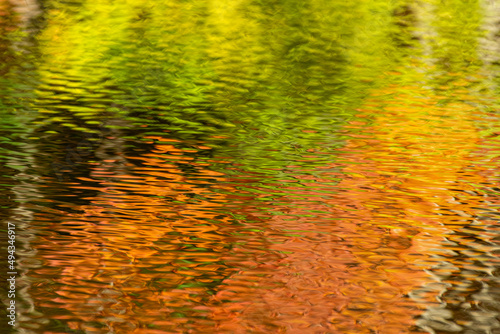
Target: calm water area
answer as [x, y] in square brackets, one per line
[250, 166]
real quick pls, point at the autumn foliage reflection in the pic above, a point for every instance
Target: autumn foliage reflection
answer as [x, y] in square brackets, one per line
[265, 170]
[361, 264]
[146, 250]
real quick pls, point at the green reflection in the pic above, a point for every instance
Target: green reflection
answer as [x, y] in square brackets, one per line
[276, 79]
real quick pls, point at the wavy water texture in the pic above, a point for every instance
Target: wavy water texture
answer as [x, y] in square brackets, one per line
[251, 166]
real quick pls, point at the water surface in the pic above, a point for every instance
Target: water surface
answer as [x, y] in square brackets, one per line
[252, 167]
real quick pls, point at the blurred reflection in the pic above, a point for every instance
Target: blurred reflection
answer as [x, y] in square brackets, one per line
[249, 166]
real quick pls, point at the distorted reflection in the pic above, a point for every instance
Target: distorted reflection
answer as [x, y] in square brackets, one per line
[252, 167]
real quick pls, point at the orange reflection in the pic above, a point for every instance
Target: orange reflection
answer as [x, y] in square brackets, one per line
[143, 253]
[359, 272]
[153, 243]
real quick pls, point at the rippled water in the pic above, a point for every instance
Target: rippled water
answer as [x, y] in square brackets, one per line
[251, 167]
